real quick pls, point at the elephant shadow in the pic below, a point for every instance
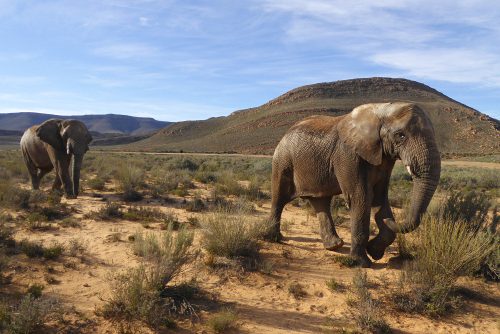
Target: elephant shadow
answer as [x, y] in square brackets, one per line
[394, 262]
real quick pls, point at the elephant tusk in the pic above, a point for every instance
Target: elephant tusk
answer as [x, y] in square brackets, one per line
[67, 148]
[409, 170]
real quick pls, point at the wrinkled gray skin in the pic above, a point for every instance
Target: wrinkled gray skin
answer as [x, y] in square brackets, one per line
[354, 155]
[60, 145]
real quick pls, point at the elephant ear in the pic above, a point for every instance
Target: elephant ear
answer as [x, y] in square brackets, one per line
[360, 130]
[49, 132]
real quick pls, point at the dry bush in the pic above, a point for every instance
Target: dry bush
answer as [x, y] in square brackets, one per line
[232, 234]
[367, 310]
[228, 185]
[297, 290]
[471, 207]
[109, 211]
[169, 249]
[29, 315]
[223, 321]
[130, 178]
[334, 286]
[195, 205]
[96, 183]
[444, 250]
[141, 293]
[346, 261]
[140, 213]
[37, 249]
[165, 181]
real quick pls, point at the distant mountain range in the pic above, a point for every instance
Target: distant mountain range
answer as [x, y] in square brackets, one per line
[107, 129]
[104, 124]
[459, 128]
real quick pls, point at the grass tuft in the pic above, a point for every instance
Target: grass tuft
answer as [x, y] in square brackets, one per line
[223, 321]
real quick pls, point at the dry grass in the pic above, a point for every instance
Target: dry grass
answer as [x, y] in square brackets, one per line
[367, 310]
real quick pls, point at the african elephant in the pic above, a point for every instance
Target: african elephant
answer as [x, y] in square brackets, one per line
[56, 143]
[354, 154]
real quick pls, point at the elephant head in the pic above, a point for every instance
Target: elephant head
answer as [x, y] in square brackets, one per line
[397, 131]
[69, 137]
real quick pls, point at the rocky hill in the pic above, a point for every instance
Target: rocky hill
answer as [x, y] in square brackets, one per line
[460, 129]
[110, 123]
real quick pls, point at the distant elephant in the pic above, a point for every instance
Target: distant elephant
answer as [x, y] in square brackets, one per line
[354, 154]
[56, 143]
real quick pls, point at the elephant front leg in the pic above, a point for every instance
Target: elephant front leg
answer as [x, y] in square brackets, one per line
[385, 237]
[62, 172]
[360, 230]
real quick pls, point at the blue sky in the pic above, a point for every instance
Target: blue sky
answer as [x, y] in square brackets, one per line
[179, 60]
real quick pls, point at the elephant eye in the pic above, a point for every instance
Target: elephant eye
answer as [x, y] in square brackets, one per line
[400, 135]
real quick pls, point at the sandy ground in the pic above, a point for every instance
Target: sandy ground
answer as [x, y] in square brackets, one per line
[261, 300]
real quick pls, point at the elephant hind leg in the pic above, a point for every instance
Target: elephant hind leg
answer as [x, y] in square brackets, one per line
[282, 193]
[33, 172]
[329, 235]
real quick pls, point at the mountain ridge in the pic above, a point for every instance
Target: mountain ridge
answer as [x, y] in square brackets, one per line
[459, 128]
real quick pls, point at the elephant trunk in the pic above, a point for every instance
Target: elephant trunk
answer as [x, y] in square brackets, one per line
[76, 166]
[424, 164]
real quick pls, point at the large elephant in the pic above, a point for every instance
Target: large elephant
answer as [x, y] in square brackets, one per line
[56, 144]
[354, 154]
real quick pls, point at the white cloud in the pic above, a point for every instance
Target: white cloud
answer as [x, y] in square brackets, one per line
[454, 65]
[446, 40]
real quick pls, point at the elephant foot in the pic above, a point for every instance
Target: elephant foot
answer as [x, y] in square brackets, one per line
[273, 236]
[375, 250]
[70, 196]
[362, 261]
[333, 244]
